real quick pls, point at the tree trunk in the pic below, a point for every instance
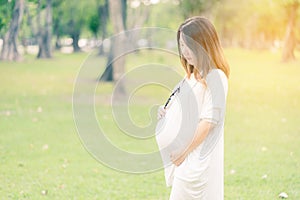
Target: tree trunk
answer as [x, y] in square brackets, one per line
[75, 36]
[290, 40]
[9, 49]
[57, 42]
[115, 8]
[137, 19]
[124, 13]
[45, 32]
[103, 17]
[108, 73]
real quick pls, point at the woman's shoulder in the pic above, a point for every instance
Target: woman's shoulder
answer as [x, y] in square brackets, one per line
[216, 74]
[216, 77]
[213, 73]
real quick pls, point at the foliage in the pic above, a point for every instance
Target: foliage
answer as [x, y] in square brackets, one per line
[76, 16]
[250, 23]
[57, 12]
[243, 23]
[158, 18]
[288, 2]
[94, 24]
[6, 8]
[195, 7]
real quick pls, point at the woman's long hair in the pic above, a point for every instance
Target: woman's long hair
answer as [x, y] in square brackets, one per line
[201, 37]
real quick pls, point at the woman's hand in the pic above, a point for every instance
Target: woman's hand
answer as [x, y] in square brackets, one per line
[177, 158]
[161, 112]
[203, 128]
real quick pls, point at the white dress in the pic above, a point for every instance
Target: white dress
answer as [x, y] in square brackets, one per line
[200, 176]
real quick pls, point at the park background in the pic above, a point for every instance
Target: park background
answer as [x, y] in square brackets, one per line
[44, 43]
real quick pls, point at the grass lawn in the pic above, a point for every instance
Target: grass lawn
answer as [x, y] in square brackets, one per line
[42, 157]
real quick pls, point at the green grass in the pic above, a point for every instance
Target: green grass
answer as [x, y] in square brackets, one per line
[262, 133]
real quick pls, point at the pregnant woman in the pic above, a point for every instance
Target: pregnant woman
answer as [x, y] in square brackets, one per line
[190, 130]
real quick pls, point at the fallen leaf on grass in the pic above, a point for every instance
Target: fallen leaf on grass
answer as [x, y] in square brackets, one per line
[45, 147]
[39, 109]
[62, 186]
[264, 176]
[283, 195]
[44, 192]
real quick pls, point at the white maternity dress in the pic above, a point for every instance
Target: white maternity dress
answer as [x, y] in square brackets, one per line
[200, 176]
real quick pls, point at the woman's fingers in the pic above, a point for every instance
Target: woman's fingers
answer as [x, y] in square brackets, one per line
[161, 112]
[176, 158]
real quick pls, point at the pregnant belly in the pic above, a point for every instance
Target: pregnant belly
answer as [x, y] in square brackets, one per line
[168, 127]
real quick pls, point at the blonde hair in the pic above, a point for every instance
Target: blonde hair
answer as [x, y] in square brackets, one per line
[201, 37]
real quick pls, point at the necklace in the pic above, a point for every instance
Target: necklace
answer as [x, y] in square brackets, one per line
[173, 93]
[177, 90]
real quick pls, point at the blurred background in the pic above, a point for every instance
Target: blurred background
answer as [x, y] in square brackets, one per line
[44, 44]
[39, 27]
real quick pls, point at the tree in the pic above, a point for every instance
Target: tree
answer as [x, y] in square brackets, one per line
[290, 39]
[249, 23]
[28, 29]
[5, 14]
[103, 15]
[76, 14]
[139, 15]
[44, 31]
[117, 45]
[191, 8]
[98, 21]
[78, 19]
[72, 18]
[118, 21]
[58, 21]
[94, 24]
[9, 49]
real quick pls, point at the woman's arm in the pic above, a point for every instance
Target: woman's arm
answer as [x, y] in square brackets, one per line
[202, 131]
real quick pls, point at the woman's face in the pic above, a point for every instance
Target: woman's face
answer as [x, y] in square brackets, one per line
[186, 51]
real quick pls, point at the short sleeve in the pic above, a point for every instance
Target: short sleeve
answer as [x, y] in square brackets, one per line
[214, 102]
